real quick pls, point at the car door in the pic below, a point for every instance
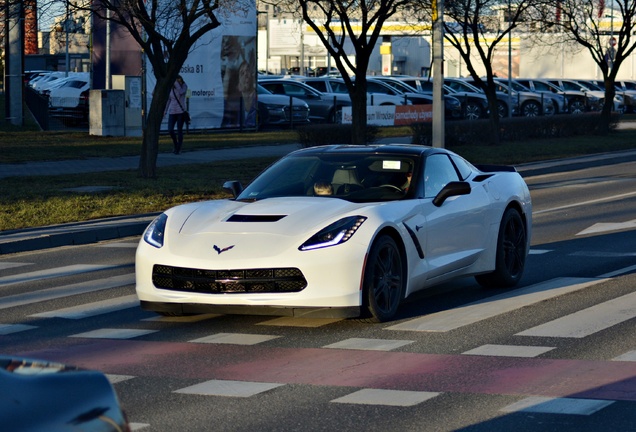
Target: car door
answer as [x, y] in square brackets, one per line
[455, 233]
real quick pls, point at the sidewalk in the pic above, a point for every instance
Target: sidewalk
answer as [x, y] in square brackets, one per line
[31, 239]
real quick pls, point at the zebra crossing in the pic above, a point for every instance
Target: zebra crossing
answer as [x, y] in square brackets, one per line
[583, 323]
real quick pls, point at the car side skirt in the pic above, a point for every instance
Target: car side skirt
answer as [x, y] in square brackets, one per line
[298, 312]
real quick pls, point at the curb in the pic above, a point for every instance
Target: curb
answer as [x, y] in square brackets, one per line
[73, 234]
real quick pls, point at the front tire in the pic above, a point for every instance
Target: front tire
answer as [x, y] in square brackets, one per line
[472, 111]
[511, 253]
[384, 281]
[531, 109]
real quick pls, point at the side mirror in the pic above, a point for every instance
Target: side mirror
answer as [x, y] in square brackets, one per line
[455, 188]
[234, 187]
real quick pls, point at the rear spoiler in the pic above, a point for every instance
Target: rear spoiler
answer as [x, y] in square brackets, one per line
[496, 168]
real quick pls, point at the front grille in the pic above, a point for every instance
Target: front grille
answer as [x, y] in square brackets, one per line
[278, 280]
[299, 113]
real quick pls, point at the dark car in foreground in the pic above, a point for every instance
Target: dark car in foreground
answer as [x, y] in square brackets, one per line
[53, 397]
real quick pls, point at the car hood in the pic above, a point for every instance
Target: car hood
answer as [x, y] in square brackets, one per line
[272, 99]
[280, 216]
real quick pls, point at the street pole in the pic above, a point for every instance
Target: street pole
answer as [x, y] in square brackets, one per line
[510, 64]
[438, 73]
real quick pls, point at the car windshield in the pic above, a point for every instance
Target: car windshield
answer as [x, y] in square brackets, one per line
[354, 177]
[262, 90]
[519, 87]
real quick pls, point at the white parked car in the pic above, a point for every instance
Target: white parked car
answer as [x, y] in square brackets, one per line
[70, 99]
[328, 84]
[338, 231]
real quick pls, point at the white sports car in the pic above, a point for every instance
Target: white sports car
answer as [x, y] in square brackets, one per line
[338, 231]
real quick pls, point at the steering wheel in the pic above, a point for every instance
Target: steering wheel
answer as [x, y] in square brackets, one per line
[390, 186]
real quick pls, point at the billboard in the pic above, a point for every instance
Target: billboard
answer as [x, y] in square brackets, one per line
[221, 74]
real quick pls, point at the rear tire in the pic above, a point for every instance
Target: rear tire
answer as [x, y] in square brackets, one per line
[511, 253]
[384, 281]
[577, 106]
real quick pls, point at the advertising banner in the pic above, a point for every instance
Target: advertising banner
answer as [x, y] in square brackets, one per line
[221, 75]
[393, 115]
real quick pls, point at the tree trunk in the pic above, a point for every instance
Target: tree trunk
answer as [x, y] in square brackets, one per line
[359, 113]
[150, 139]
[608, 106]
[493, 107]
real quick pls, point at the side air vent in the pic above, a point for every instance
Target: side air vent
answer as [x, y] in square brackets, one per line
[481, 177]
[255, 218]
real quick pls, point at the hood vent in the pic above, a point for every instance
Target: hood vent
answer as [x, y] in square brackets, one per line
[255, 218]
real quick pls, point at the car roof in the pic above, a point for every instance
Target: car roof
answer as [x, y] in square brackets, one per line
[377, 149]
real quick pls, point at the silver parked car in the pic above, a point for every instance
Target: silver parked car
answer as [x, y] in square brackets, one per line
[474, 104]
[323, 107]
[530, 104]
[452, 105]
[460, 84]
[337, 85]
[277, 110]
[559, 101]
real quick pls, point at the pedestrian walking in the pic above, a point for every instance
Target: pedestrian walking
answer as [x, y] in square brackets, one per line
[177, 113]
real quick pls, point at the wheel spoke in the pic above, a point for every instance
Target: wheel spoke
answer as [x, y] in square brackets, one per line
[386, 280]
[514, 244]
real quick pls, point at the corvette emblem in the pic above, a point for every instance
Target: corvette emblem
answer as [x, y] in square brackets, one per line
[219, 250]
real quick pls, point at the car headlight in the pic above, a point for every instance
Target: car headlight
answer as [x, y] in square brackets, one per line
[155, 232]
[274, 107]
[336, 233]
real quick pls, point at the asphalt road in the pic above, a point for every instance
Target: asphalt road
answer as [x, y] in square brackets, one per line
[556, 353]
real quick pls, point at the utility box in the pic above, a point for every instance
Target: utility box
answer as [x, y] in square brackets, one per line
[106, 112]
[131, 85]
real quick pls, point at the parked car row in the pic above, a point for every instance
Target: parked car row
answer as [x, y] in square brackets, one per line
[296, 99]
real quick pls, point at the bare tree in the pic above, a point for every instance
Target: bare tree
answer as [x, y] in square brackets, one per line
[166, 31]
[605, 30]
[477, 29]
[341, 24]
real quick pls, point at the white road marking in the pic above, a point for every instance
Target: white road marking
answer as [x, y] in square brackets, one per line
[369, 344]
[184, 319]
[92, 309]
[603, 254]
[235, 339]
[299, 322]
[539, 251]
[114, 379]
[588, 321]
[67, 290]
[138, 426]
[548, 405]
[112, 333]
[585, 203]
[511, 300]
[228, 388]
[603, 227]
[509, 351]
[618, 272]
[51, 273]
[628, 356]
[8, 265]
[387, 397]
[7, 329]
